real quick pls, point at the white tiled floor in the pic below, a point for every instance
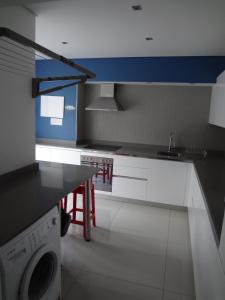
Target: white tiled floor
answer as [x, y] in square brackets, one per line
[137, 252]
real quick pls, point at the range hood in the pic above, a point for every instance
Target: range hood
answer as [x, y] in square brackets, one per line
[106, 101]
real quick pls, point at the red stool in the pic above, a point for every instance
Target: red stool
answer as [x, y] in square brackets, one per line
[103, 171]
[63, 203]
[75, 209]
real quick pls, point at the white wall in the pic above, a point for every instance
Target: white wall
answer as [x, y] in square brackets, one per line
[17, 118]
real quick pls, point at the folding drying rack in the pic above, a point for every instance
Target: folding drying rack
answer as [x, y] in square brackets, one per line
[16, 40]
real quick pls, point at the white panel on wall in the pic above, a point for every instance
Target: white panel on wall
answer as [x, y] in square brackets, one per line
[56, 121]
[52, 106]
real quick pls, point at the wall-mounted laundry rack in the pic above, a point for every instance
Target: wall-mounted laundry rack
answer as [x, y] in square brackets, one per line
[24, 64]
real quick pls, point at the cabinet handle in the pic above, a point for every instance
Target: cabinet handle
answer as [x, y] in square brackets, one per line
[129, 177]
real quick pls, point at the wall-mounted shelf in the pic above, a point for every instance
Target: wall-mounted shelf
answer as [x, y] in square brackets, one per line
[22, 42]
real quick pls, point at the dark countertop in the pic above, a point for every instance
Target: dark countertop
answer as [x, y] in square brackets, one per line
[211, 173]
[126, 149]
[26, 198]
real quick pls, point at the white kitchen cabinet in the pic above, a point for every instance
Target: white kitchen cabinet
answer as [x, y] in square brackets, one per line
[217, 107]
[167, 182]
[43, 153]
[153, 180]
[130, 161]
[57, 154]
[130, 177]
[208, 271]
[132, 188]
[65, 156]
[129, 181]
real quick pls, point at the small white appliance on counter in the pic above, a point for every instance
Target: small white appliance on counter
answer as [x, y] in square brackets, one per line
[30, 266]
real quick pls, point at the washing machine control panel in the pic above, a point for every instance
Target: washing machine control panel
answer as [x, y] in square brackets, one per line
[28, 244]
[18, 251]
[37, 236]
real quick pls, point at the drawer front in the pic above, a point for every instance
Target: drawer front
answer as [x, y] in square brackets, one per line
[130, 172]
[134, 162]
[167, 183]
[129, 188]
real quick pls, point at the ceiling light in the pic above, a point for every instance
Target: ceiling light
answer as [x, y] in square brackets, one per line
[149, 38]
[136, 7]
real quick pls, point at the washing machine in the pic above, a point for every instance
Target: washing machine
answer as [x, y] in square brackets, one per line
[30, 267]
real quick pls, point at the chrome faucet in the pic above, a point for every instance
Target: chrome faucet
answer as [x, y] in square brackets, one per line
[171, 142]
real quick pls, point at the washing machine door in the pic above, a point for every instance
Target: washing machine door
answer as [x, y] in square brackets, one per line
[39, 274]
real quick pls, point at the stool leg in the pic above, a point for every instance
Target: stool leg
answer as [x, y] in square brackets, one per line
[108, 175]
[84, 215]
[104, 173]
[111, 174]
[74, 211]
[93, 206]
[96, 165]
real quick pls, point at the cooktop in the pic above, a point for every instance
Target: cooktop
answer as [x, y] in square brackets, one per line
[101, 147]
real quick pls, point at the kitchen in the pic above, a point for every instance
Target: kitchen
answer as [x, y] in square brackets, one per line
[151, 122]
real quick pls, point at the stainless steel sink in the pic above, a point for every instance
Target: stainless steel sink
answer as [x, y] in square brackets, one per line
[169, 154]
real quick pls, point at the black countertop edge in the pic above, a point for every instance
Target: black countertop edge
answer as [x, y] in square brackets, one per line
[211, 177]
[7, 177]
[217, 232]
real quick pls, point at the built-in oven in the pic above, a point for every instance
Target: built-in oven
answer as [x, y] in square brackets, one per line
[103, 179]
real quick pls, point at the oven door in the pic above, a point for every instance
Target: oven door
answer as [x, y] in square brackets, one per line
[103, 179]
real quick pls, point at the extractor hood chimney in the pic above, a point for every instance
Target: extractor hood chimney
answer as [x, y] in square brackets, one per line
[106, 101]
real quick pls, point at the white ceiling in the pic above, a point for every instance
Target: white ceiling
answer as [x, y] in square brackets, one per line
[110, 28]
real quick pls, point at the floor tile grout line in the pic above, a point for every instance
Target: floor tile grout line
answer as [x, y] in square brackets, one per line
[165, 265]
[108, 276]
[70, 286]
[179, 293]
[116, 213]
[166, 256]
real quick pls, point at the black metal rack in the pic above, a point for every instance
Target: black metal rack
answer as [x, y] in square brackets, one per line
[21, 40]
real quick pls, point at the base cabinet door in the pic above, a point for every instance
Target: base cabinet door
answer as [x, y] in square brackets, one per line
[208, 271]
[167, 182]
[129, 188]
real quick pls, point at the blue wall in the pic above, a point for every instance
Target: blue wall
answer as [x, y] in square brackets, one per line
[136, 69]
[43, 128]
